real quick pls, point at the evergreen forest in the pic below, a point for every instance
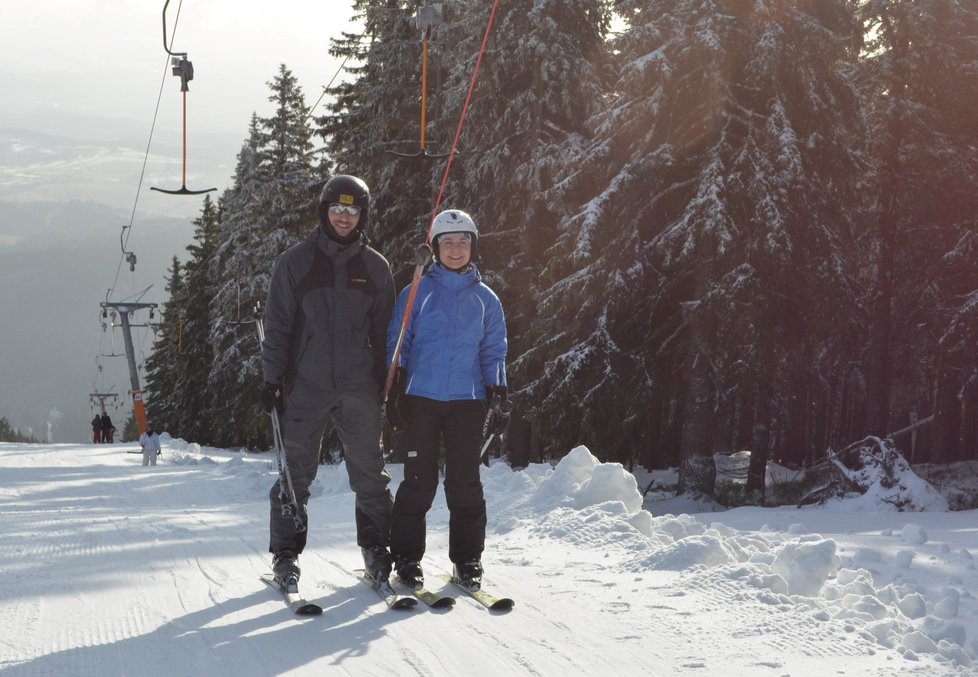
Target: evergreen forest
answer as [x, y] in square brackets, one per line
[719, 225]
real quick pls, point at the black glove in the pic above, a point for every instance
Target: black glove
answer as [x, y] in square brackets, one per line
[492, 392]
[397, 414]
[500, 418]
[273, 396]
[500, 407]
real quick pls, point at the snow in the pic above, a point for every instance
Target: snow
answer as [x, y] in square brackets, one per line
[112, 568]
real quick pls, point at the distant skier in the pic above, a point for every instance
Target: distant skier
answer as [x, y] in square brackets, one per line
[451, 368]
[150, 442]
[97, 429]
[108, 431]
[329, 301]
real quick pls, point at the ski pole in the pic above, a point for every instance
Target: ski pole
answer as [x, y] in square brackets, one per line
[500, 405]
[290, 505]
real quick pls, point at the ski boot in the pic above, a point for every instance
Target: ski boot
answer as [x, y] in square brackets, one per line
[285, 568]
[377, 562]
[410, 574]
[469, 574]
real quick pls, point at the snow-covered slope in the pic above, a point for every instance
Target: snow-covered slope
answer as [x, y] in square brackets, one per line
[110, 568]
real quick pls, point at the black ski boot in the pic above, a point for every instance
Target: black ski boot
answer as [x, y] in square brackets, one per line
[377, 562]
[469, 574]
[410, 574]
[285, 568]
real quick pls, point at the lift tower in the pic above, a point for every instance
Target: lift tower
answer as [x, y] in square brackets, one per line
[123, 309]
[102, 397]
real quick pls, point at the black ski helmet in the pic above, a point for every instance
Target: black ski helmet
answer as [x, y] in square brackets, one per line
[345, 190]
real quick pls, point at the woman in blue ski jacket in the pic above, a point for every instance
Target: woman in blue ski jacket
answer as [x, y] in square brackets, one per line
[451, 369]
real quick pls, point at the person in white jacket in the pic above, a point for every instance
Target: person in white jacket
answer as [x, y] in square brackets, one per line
[150, 442]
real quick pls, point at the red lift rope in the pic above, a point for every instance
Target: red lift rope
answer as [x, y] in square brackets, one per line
[421, 260]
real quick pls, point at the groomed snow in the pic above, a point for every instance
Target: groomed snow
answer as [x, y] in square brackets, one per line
[110, 568]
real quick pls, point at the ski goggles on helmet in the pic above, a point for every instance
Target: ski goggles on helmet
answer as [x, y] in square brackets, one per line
[337, 208]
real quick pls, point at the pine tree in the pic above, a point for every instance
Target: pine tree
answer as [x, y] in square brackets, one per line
[270, 207]
[920, 82]
[10, 434]
[163, 406]
[194, 347]
[715, 176]
[130, 433]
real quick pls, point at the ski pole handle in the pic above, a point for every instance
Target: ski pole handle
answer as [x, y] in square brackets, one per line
[494, 404]
[502, 406]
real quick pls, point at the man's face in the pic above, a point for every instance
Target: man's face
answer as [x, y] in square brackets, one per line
[342, 221]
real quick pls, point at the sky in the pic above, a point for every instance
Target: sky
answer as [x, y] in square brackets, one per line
[112, 568]
[67, 63]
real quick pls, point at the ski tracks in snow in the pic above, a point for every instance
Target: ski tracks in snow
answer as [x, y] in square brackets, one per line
[154, 571]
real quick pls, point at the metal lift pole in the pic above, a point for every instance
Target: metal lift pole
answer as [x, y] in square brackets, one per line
[123, 309]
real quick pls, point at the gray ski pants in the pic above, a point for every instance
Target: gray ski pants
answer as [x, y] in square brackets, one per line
[356, 417]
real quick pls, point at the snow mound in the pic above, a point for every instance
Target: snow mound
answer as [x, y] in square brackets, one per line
[597, 506]
[580, 480]
[805, 566]
[884, 481]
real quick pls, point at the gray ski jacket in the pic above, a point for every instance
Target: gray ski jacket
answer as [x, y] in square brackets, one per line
[326, 320]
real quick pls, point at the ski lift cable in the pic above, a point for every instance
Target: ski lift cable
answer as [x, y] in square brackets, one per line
[420, 262]
[335, 75]
[142, 174]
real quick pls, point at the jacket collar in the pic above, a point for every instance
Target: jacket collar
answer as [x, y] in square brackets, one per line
[453, 280]
[334, 249]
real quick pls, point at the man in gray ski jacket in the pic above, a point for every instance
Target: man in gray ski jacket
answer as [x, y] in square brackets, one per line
[329, 303]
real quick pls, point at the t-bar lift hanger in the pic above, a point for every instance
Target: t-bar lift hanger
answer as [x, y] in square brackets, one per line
[185, 70]
[428, 17]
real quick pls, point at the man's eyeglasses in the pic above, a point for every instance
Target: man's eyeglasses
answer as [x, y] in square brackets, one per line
[337, 208]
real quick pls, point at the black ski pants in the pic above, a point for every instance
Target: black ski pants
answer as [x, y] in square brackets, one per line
[459, 423]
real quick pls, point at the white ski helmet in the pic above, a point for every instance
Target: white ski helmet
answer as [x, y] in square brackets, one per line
[453, 221]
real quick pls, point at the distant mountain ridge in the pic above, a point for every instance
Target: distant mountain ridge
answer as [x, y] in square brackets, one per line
[57, 261]
[40, 166]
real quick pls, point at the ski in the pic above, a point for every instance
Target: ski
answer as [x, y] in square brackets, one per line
[386, 592]
[431, 599]
[296, 602]
[486, 599]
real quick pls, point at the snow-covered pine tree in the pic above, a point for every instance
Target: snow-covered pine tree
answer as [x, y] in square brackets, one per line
[269, 208]
[710, 195]
[163, 407]
[378, 110]
[192, 364]
[922, 89]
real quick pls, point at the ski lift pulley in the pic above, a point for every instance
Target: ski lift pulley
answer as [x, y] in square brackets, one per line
[183, 69]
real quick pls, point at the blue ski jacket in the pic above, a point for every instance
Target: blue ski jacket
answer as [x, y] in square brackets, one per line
[455, 342]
